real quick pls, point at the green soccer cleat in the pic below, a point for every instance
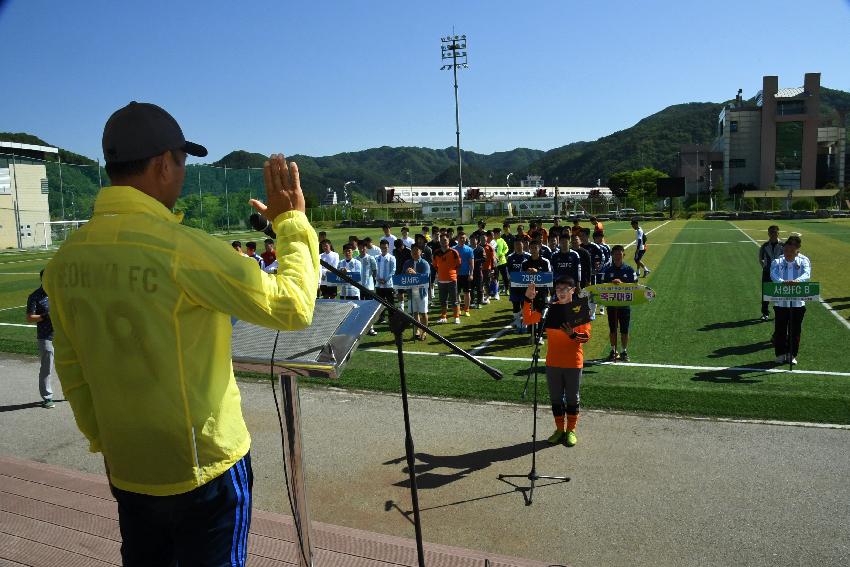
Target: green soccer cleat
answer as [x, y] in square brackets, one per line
[556, 437]
[571, 439]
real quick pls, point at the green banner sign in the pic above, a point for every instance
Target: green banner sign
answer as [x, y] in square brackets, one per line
[804, 291]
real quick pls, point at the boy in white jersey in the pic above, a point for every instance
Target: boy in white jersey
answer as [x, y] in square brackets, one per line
[640, 248]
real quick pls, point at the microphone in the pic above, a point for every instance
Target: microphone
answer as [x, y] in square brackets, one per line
[260, 223]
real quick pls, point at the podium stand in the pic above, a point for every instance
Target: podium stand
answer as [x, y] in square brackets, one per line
[321, 350]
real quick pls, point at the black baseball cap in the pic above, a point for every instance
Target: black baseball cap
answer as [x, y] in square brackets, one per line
[142, 130]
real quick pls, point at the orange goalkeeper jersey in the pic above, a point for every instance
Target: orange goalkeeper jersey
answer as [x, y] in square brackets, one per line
[563, 350]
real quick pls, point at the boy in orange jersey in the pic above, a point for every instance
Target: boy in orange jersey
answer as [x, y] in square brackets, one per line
[596, 225]
[567, 329]
[447, 262]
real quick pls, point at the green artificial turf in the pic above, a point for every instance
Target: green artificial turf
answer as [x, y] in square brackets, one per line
[707, 279]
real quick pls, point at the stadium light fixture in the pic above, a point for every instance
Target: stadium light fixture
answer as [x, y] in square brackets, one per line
[454, 50]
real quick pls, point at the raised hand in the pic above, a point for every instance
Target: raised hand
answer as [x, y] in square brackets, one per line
[283, 188]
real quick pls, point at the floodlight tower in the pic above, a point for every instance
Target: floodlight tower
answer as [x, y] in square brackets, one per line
[454, 49]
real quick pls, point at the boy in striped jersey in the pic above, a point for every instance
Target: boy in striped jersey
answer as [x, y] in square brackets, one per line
[349, 264]
[791, 268]
[386, 263]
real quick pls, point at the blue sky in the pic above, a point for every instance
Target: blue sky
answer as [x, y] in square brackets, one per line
[320, 78]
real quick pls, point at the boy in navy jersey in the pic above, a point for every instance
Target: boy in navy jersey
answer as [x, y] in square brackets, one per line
[605, 250]
[566, 262]
[514, 264]
[618, 273]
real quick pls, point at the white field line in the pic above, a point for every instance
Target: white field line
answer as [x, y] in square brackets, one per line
[10, 308]
[487, 342]
[700, 243]
[15, 325]
[647, 232]
[18, 273]
[732, 369]
[828, 307]
[22, 261]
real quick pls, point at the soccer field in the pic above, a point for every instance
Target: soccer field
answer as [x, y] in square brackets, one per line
[699, 349]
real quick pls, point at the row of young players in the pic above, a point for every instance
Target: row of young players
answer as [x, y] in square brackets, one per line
[503, 243]
[571, 254]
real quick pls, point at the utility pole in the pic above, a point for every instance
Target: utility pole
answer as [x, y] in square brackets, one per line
[555, 207]
[201, 197]
[454, 49]
[226, 200]
[61, 187]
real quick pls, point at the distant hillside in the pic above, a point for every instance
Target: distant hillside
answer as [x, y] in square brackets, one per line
[378, 167]
[653, 141]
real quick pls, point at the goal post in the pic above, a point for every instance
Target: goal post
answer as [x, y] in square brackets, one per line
[55, 232]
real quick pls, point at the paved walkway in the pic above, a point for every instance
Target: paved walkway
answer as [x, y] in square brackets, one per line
[644, 490]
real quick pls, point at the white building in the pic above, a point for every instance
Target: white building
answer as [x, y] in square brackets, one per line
[329, 199]
[23, 195]
[428, 194]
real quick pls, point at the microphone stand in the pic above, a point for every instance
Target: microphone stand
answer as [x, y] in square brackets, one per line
[536, 336]
[532, 476]
[399, 320]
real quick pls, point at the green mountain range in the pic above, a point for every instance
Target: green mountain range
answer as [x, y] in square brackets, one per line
[378, 167]
[652, 142]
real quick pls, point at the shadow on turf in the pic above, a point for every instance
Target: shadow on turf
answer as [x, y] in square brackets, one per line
[731, 324]
[835, 303]
[733, 375]
[462, 465]
[741, 349]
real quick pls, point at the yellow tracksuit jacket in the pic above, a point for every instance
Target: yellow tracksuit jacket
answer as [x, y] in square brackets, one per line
[141, 308]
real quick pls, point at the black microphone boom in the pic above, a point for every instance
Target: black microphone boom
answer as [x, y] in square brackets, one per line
[493, 372]
[261, 224]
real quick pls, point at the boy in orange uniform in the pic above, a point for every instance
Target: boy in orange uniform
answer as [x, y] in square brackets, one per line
[447, 262]
[567, 329]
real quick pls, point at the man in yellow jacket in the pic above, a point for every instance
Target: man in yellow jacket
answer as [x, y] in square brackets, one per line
[141, 309]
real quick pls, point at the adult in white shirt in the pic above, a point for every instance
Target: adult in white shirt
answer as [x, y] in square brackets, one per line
[332, 258]
[791, 268]
[405, 237]
[388, 236]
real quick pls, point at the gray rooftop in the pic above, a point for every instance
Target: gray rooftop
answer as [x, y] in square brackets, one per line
[790, 93]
